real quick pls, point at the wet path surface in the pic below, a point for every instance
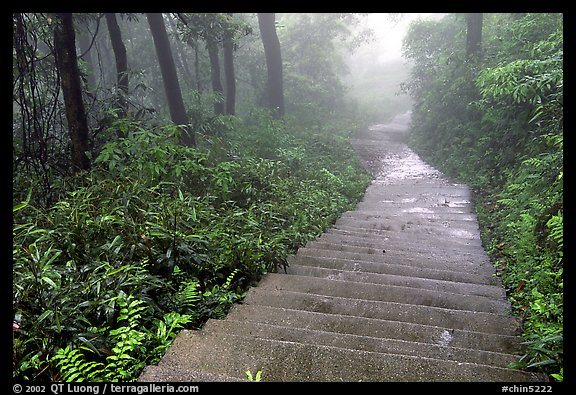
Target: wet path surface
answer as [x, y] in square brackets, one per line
[405, 187]
[399, 289]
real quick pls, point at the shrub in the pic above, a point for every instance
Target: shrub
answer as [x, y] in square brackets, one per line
[160, 237]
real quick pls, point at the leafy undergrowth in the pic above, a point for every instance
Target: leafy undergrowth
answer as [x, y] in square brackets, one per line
[159, 237]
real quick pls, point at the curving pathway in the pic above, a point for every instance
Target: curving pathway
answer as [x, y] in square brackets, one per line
[400, 289]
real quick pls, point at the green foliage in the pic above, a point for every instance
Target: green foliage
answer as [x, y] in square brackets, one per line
[130, 342]
[159, 237]
[498, 125]
[257, 377]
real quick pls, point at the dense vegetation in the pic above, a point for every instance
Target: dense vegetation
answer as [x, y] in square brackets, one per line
[111, 262]
[493, 117]
[164, 218]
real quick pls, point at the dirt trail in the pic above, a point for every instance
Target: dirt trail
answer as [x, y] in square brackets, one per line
[399, 289]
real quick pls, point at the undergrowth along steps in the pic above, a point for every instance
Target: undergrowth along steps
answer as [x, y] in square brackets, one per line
[400, 289]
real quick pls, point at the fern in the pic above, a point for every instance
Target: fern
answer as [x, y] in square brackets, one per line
[229, 279]
[128, 350]
[74, 367]
[168, 329]
[189, 295]
[221, 297]
[556, 226]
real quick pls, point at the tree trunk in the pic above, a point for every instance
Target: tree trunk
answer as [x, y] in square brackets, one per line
[169, 76]
[84, 45]
[229, 72]
[266, 22]
[473, 34]
[121, 61]
[215, 76]
[181, 54]
[65, 52]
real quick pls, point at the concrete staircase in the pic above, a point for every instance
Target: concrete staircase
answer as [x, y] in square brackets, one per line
[400, 289]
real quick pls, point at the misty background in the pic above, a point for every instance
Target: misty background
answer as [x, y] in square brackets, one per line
[377, 68]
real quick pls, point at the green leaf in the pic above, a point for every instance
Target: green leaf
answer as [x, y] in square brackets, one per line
[43, 316]
[23, 204]
[50, 282]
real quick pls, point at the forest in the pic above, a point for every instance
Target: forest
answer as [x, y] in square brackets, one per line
[163, 163]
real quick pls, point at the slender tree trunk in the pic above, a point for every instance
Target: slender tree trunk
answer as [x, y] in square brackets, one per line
[67, 63]
[197, 68]
[266, 22]
[215, 75]
[229, 72]
[84, 45]
[169, 76]
[183, 62]
[121, 61]
[473, 35]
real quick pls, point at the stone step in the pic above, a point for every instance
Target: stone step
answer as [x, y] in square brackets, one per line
[386, 293]
[390, 311]
[356, 239]
[361, 343]
[374, 327]
[429, 239]
[491, 291]
[403, 254]
[446, 233]
[429, 261]
[427, 188]
[415, 214]
[394, 269]
[416, 218]
[231, 355]
[155, 374]
[417, 197]
[381, 205]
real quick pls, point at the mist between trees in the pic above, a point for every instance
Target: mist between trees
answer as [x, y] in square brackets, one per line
[162, 163]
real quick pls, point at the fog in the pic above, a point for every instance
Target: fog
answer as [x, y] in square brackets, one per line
[377, 68]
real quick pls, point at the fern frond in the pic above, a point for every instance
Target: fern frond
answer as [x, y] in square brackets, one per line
[74, 367]
[188, 295]
[229, 279]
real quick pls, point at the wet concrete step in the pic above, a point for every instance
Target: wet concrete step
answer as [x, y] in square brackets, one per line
[232, 355]
[391, 311]
[388, 293]
[414, 216]
[431, 195]
[155, 374]
[424, 187]
[491, 291]
[402, 222]
[409, 229]
[426, 238]
[457, 260]
[361, 343]
[390, 268]
[378, 242]
[374, 327]
[380, 205]
[466, 221]
[433, 260]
